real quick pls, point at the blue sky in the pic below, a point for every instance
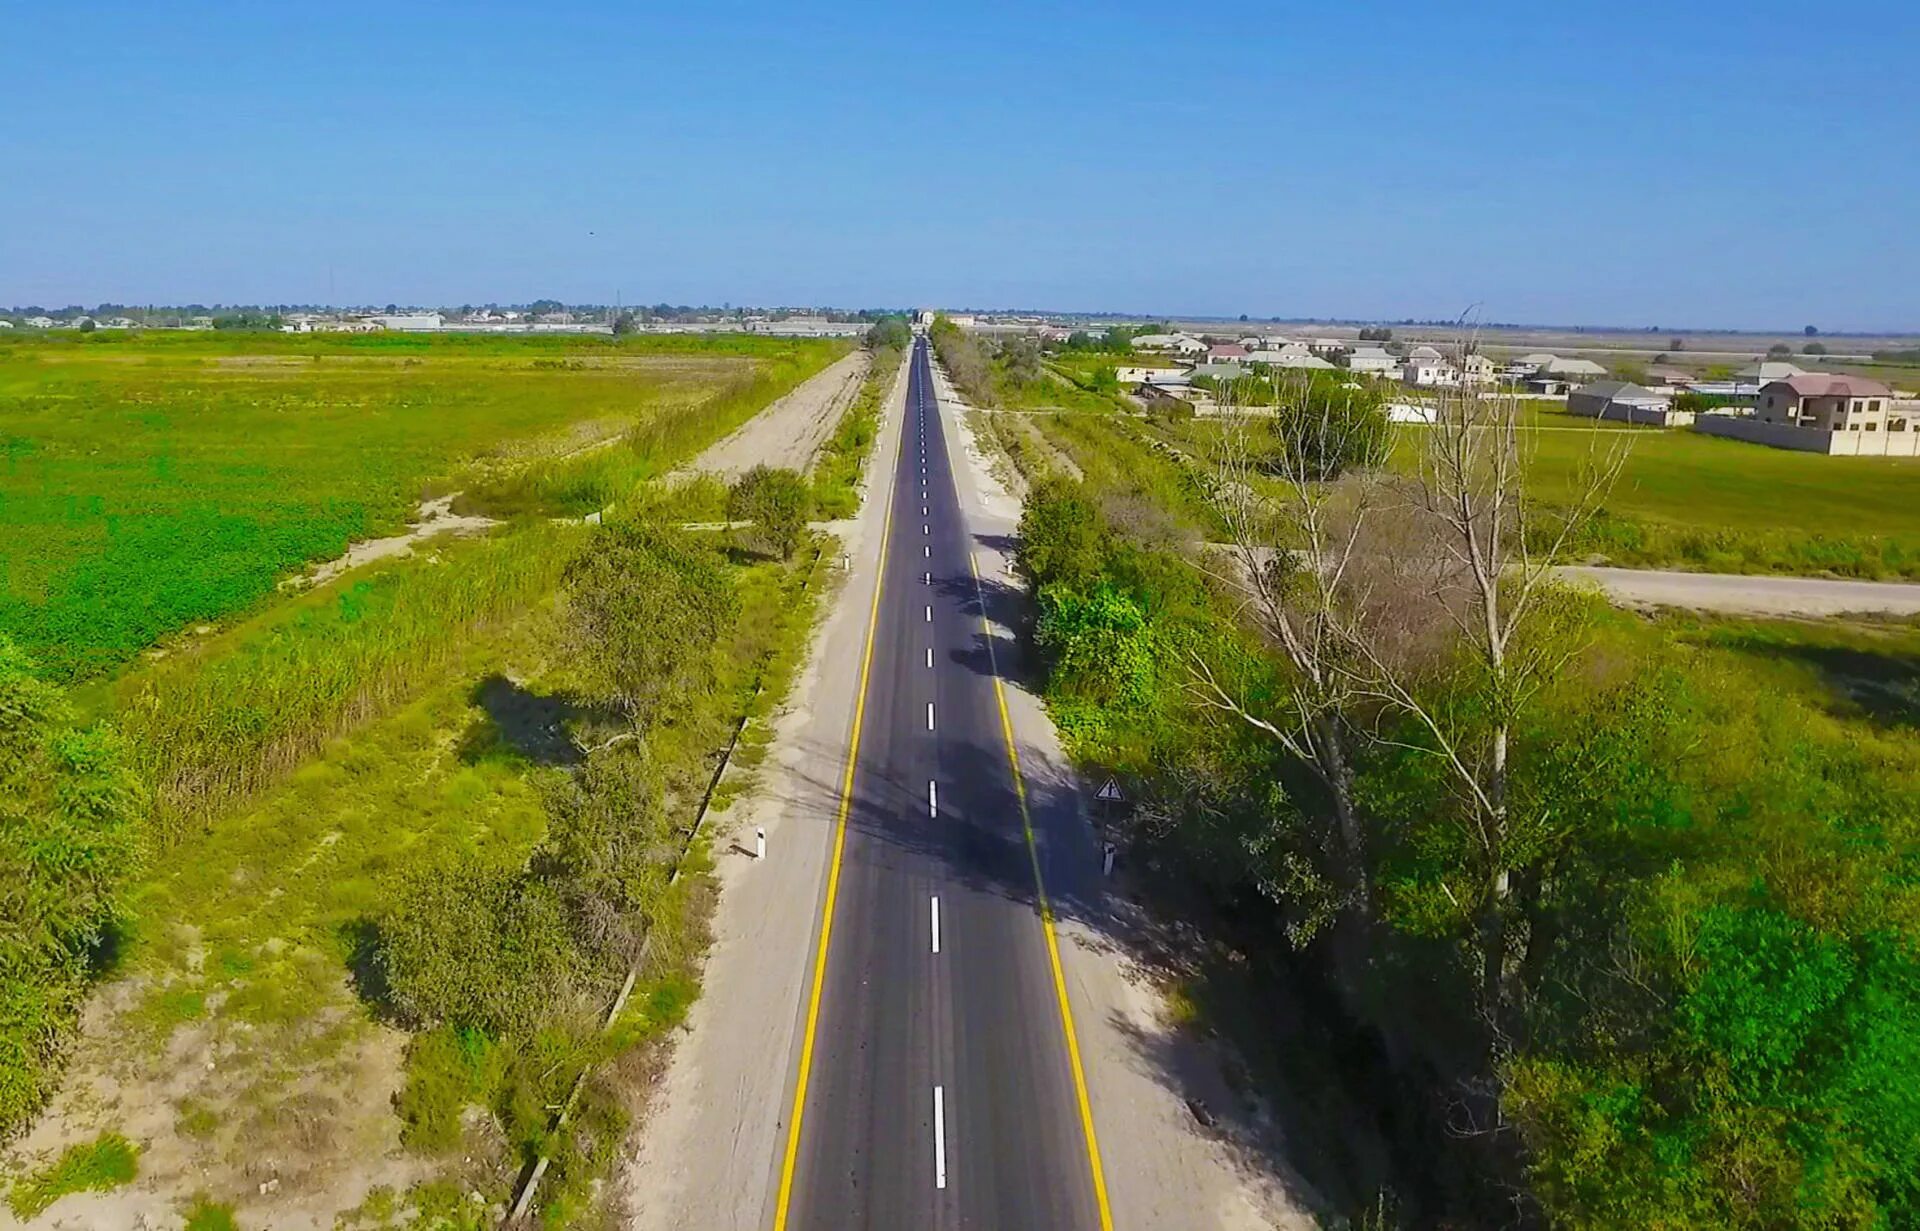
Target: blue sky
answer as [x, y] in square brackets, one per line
[1697, 164]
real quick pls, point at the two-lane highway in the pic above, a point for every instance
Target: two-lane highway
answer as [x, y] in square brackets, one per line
[938, 1083]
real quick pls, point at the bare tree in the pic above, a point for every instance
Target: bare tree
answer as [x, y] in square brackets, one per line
[1489, 553]
[1294, 532]
[1399, 597]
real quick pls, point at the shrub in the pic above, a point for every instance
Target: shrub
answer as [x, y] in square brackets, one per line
[69, 809]
[649, 602]
[776, 502]
[473, 944]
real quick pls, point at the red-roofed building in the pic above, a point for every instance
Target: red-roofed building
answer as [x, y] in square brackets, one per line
[1826, 401]
[1823, 412]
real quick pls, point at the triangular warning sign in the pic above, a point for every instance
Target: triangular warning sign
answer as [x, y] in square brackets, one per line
[1110, 790]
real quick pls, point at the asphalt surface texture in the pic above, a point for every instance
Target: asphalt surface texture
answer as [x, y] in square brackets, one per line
[941, 1091]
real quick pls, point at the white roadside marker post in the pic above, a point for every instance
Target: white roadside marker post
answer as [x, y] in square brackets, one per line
[760, 843]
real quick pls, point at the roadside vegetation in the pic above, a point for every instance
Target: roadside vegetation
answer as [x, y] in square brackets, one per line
[842, 461]
[1612, 939]
[386, 850]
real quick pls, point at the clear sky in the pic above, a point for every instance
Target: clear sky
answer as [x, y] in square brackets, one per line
[1685, 164]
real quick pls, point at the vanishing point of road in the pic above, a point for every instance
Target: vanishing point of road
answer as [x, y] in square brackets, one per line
[939, 1082]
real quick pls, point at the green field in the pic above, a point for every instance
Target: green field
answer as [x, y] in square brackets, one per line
[149, 483]
[295, 772]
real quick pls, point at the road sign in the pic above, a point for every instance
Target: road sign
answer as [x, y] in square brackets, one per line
[1110, 791]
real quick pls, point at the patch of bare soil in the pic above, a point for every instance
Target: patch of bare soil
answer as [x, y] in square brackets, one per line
[292, 1124]
[436, 517]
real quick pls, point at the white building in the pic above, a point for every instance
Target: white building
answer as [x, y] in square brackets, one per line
[410, 322]
[1371, 360]
[1177, 343]
[1428, 372]
[38, 322]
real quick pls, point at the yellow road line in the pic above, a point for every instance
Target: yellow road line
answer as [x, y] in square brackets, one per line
[1046, 917]
[833, 869]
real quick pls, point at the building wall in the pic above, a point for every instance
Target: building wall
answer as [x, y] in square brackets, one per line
[1810, 439]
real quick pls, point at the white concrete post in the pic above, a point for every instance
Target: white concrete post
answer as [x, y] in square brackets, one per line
[760, 844]
[1107, 853]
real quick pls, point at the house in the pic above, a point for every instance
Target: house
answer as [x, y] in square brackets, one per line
[1423, 352]
[6, 324]
[1678, 378]
[1139, 376]
[1570, 369]
[1178, 343]
[1427, 371]
[1625, 403]
[1527, 365]
[1476, 369]
[1291, 356]
[1218, 371]
[1371, 360]
[1829, 403]
[1225, 354]
[38, 322]
[1819, 412]
[1769, 369]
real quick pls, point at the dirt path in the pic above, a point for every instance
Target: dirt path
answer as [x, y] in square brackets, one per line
[789, 432]
[436, 517]
[1743, 594]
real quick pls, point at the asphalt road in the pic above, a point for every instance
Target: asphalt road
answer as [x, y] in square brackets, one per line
[939, 1091]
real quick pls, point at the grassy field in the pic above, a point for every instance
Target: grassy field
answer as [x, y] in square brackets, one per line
[153, 482]
[249, 946]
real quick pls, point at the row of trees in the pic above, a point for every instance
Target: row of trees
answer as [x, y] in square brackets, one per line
[1535, 846]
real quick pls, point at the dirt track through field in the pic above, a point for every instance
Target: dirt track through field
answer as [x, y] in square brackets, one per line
[789, 432]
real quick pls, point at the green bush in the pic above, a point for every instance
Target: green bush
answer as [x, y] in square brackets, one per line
[775, 502]
[70, 806]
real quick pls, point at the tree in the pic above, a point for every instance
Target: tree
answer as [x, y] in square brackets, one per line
[1779, 348]
[889, 331]
[89, 325]
[1483, 559]
[1294, 554]
[649, 604]
[1676, 344]
[1810, 331]
[776, 501]
[1814, 348]
[70, 805]
[624, 324]
[1062, 537]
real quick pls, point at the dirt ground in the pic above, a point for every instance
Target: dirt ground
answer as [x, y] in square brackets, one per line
[789, 432]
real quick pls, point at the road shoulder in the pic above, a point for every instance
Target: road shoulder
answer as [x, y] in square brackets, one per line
[1164, 1171]
[705, 1158]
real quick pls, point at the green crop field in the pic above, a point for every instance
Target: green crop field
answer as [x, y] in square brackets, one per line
[148, 483]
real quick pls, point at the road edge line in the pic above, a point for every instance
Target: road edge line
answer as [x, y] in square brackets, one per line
[1046, 916]
[792, 1152]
